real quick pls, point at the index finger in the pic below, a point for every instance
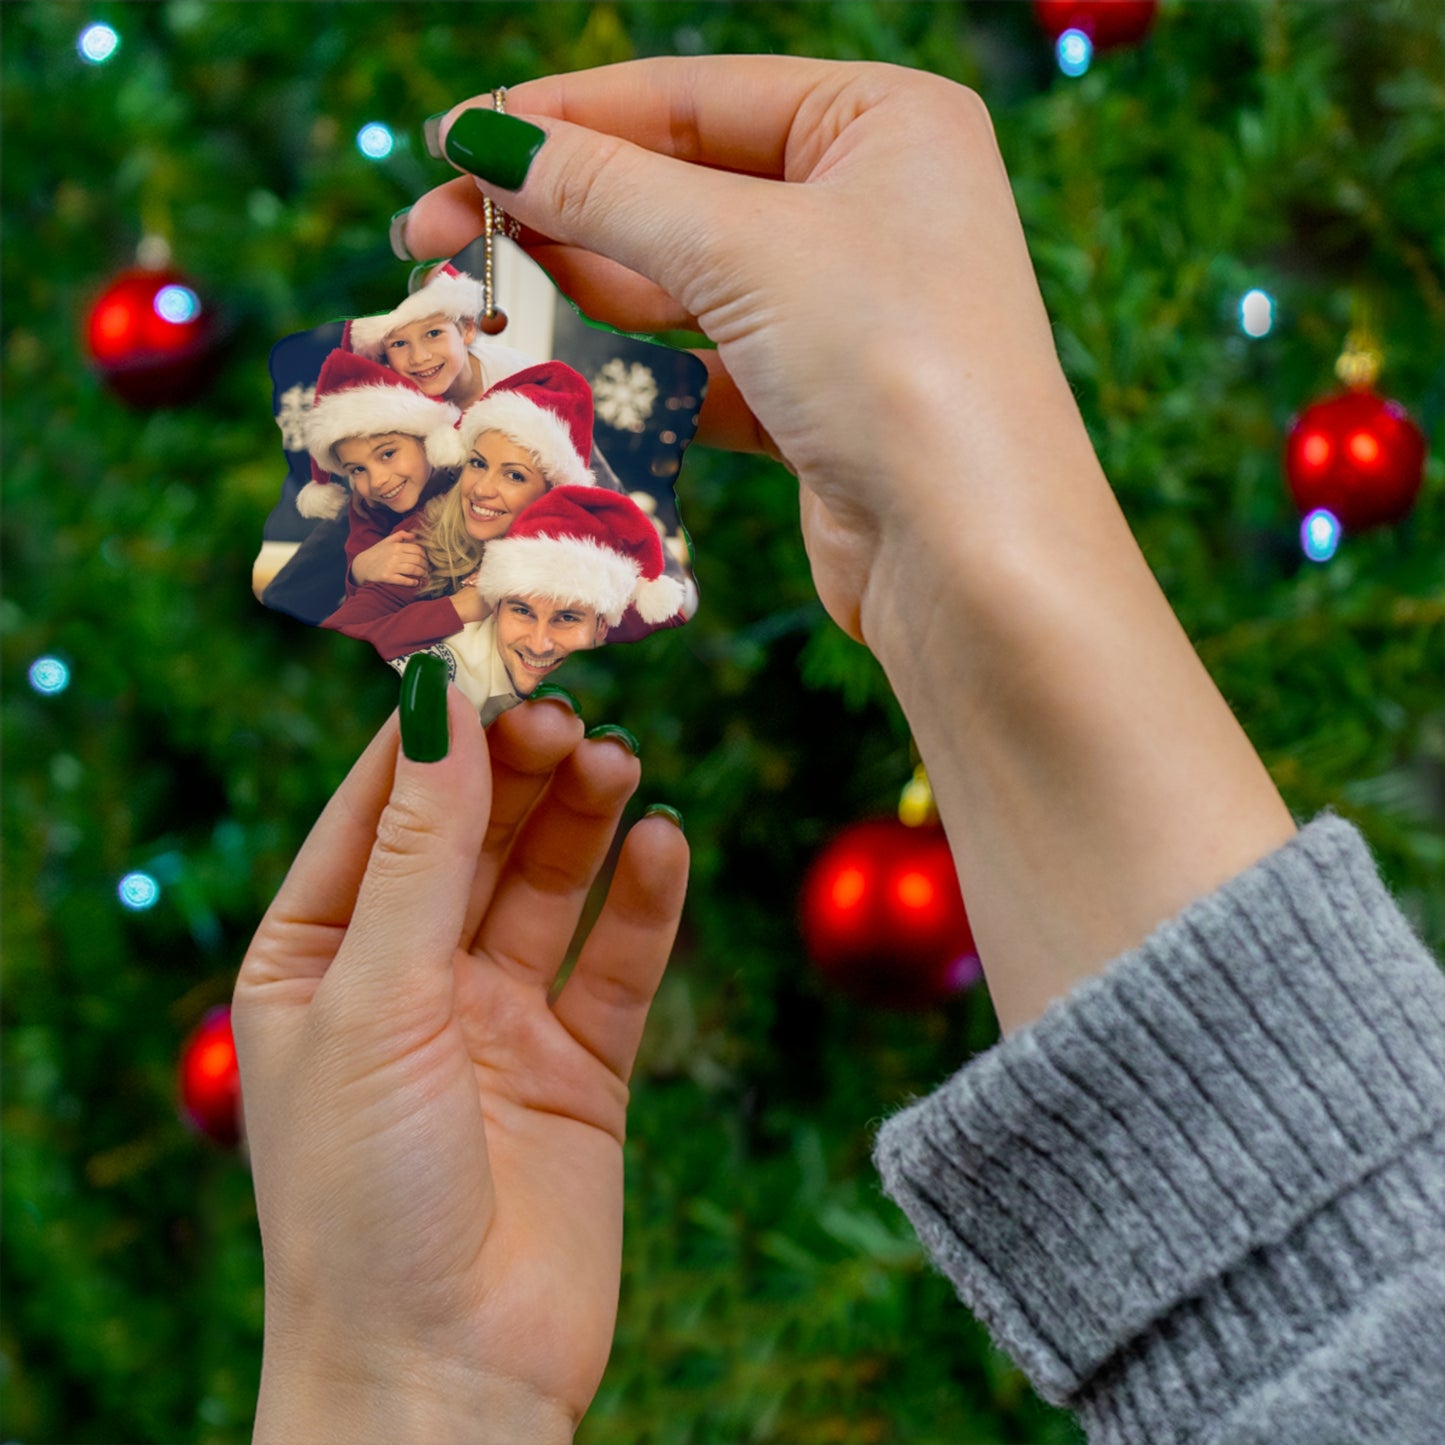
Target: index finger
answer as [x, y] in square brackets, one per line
[735, 112]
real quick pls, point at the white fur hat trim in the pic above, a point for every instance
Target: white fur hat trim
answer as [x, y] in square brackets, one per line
[322, 499]
[457, 297]
[368, 411]
[540, 430]
[562, 569]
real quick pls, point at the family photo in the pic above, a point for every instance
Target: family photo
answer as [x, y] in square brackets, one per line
[434, 469]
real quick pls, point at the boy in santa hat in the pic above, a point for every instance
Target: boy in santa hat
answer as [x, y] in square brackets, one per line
[573, 565]
[432, 339]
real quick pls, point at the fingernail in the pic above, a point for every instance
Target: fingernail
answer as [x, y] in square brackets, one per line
[424, 737]
[550, 689]
[614, 730]
[396, 234]
[498, 148]
[662, 810]
[431, 133]
[420, 274]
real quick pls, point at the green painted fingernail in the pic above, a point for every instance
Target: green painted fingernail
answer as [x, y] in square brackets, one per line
[498, 148]
[431, 133]
[421, 274]
[424, 737]
[550, 689]
[396, 234]
[614, 730]
[662, 810]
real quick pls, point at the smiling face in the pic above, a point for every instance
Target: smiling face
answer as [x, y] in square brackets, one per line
[498, 479]
[432, 353]
[536, 635]
[386, 471]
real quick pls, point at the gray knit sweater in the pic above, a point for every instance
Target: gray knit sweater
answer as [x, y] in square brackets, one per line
[1203, 1198]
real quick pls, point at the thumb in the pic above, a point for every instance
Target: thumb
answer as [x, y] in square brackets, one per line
[666, 219]
[396, 960]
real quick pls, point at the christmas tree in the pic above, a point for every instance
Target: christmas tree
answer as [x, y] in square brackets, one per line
[162, 728]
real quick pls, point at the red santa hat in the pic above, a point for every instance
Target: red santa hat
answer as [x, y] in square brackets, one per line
[586, 546]
[360, 398]
[448, 292]
[545, 408]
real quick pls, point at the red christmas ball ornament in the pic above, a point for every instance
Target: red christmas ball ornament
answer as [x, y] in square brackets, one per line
[1357, 455]
[210, 1081]
[883, 918]
[1107, 23]
[152, 338]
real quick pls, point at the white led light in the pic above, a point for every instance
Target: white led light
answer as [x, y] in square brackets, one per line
[1319, 535]
[1074, 52]
[1256, 313]
[138, 891]
[97, 43]
[49, 675]
[374, 141]
[177, 304]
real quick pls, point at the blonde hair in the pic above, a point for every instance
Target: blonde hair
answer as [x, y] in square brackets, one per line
[451, 552]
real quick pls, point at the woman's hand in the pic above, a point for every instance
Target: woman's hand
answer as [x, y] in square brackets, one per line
[397, 558]
[847, 235]
[883, 296]
[437, 1144]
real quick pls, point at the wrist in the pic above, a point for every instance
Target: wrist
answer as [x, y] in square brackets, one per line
[382, 1396]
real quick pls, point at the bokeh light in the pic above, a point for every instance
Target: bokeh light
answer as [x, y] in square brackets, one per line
[138, 891]
[49, 675]
[97, 44]
[375, 141]
[1256, 313]
[1074, 52]
[177, 304]
[1319, 535]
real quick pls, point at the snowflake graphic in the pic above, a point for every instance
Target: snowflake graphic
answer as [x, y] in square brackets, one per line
[624, 394]
[291, 418]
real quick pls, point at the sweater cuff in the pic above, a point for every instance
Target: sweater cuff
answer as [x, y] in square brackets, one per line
[1255, 1059]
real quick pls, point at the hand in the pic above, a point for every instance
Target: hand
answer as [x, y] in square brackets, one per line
[847, 235]
[470, 604]
[397, 558]
[437, 1148]
[888, 280]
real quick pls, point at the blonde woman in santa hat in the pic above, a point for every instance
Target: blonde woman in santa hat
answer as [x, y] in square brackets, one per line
[530, 432]
[573, 565]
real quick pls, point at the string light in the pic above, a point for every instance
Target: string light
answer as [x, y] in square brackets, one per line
[49, 675]
[97, 44]
[177, 304]
[1319, 535]
[1256, 313]
[375, 141]
[1074, 52]
[138, 891]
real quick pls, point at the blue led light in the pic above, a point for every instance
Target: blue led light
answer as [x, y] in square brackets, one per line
[1074, 52]
[1319, 535]
[1256, 313]
[138, 891]
[49, 675]
[374, 141]
[177, 304]
[97, 44]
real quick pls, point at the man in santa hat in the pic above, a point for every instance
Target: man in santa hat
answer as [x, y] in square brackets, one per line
[575, 562]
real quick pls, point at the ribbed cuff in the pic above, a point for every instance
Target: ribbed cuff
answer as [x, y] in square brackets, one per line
[1205, 1153]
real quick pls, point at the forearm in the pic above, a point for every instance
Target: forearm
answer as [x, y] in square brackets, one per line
[1092, 780]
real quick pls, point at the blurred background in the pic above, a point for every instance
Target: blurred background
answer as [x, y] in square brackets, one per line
[1215, 204]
